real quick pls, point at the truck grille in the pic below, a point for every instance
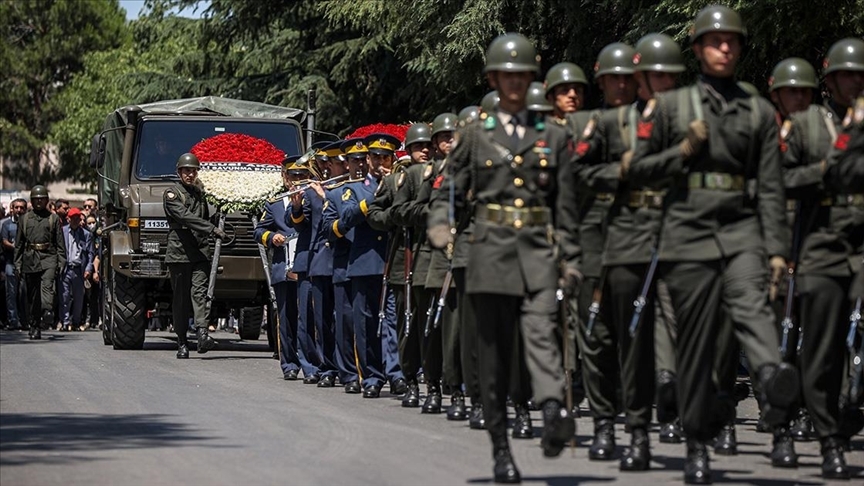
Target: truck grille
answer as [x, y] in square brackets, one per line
[240, 227]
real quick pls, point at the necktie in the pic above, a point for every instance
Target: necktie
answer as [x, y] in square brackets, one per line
[514, 134]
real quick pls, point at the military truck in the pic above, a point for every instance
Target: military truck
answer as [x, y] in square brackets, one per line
[134, 156]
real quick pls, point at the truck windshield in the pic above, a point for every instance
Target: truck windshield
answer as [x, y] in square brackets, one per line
[162, 142]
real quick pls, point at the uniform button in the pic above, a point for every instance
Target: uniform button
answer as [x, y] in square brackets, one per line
[518, 203]
[544, 162]
[517, 224]
[489, 163]
[517, 159]
[518, 182]
[380, 238]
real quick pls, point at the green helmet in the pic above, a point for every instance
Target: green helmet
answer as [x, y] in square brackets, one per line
[418, 132]
[845, 55]
[445, 122]
[468, 115]
[188, 160]
[563, 73]
[792, 72]
[512, 53]
[717, 18]
[489, 102]
[616, 58]
[659, 53]
[38, 191]
[536, 98]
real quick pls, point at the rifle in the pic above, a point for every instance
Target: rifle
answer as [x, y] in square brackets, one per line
[857, 355]
[409, 274]
[642, 299]
[214, 266]
[561, 296]
[594, 308]
[262, 252]
[787, 324]
[385, 284]
[448, 277]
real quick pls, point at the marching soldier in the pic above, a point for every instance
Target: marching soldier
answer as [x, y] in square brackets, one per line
[341, 245]
[565, 90]
[614, 73]
[40, 255]
[717, 235]
[830, 248]
[510, 165]
[274, 233]
[187, 253]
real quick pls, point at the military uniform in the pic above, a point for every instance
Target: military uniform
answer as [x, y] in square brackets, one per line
[40, 254]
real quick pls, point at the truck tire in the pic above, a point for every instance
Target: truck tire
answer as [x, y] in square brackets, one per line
[249, 323]
[127, 330]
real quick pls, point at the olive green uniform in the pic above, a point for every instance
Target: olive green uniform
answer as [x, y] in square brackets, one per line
[40, 254]
[188, 255]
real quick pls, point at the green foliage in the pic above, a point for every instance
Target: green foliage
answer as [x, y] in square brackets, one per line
[44, 43]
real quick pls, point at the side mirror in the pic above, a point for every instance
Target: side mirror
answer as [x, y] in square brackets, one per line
[97, 151]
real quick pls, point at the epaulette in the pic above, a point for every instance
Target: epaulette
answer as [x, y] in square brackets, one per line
[335, 185]
[785, 129]
[649, 109]
[400, 180]
[427, 172]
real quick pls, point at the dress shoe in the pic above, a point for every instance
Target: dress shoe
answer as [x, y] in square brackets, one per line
[311, 379]
[802, 427]
[783, 449]
[726, 443]
[522, 428]
[352, 387]
[326, 381]
[275, 355]
[398, 387]
[35, 333]
[603, 444]
[476, 420]
[412, 396]
[697, 469]
[373, 391]
[457, 409]
[558, 428]
[433, 399]
[505, 469]
[667, 396]
[182, 352]
[533, 405]
[291, 375]
[638, 456]
[670, 433]
[421, 378]
[833, 462]
[205, 342]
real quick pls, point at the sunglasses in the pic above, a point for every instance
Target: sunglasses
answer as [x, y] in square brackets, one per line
[89, 206]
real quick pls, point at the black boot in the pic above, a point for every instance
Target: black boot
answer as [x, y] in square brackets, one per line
[476, 420]
[433, 399]
[783, 449]
[182, 351]
[457, 409]
[802, 427]
[412, 396]
[522, 428]
[35, 332]
[833, 462]
[638, 455]
[505, 469]
[697, 469]
[603, 445]
[780, 386]
[667, 396]
[726, 443]
[670, 433]
[558, 428]
[205, 342]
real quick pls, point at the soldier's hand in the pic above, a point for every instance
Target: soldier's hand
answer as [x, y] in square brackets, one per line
[316, 186]
[697, 135]
[96, 276]
[778, 268]
[278, 239]
[626, 158]
[571, 280]
[297, 200]
[219, 233]
[438, 235]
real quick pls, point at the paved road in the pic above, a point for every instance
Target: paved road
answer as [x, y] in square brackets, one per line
[73, 411]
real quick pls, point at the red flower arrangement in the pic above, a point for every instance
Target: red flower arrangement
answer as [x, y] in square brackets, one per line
[397, 131]
[237, 147]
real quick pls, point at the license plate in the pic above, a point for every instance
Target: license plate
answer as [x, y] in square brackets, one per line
[155, 224]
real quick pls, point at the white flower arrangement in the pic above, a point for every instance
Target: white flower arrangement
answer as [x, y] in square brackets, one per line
[238, 186]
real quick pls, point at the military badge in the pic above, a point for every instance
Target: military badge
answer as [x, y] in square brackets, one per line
[346, 195]
[649, 108]
[842, 141]
[438, 182]
[589, 128]
[170, 195]
[785, 129]
[644, 129]
[427, 172]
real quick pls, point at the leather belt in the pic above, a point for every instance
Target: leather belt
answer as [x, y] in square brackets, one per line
[605, 196]
[716, 181]
[513, 216]
[646, 199]
[843, 200]
[39, 246]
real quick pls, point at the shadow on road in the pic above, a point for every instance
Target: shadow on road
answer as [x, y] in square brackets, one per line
[551, 480]
[22, 337]
[52, 438]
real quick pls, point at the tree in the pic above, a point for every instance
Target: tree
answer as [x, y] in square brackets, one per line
[44, 44]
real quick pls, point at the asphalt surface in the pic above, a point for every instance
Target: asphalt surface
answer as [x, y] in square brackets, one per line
[73, 411]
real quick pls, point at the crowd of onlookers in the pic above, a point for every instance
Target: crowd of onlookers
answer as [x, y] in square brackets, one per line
[76, 303]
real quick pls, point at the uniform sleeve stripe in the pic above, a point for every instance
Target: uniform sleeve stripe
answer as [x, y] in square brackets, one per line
[298, 220]
[264, 238]
[363, 207]
[336, 229]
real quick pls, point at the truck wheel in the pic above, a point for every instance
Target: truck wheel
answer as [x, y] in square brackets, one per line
[249, 323]
[127, 330]
[107, 304]
[272, 327]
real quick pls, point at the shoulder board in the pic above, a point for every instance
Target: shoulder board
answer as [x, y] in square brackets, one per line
[649, 108]
[401, 179]
[427, 172]
[785, 129]
[347, 194]
[588, 132]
